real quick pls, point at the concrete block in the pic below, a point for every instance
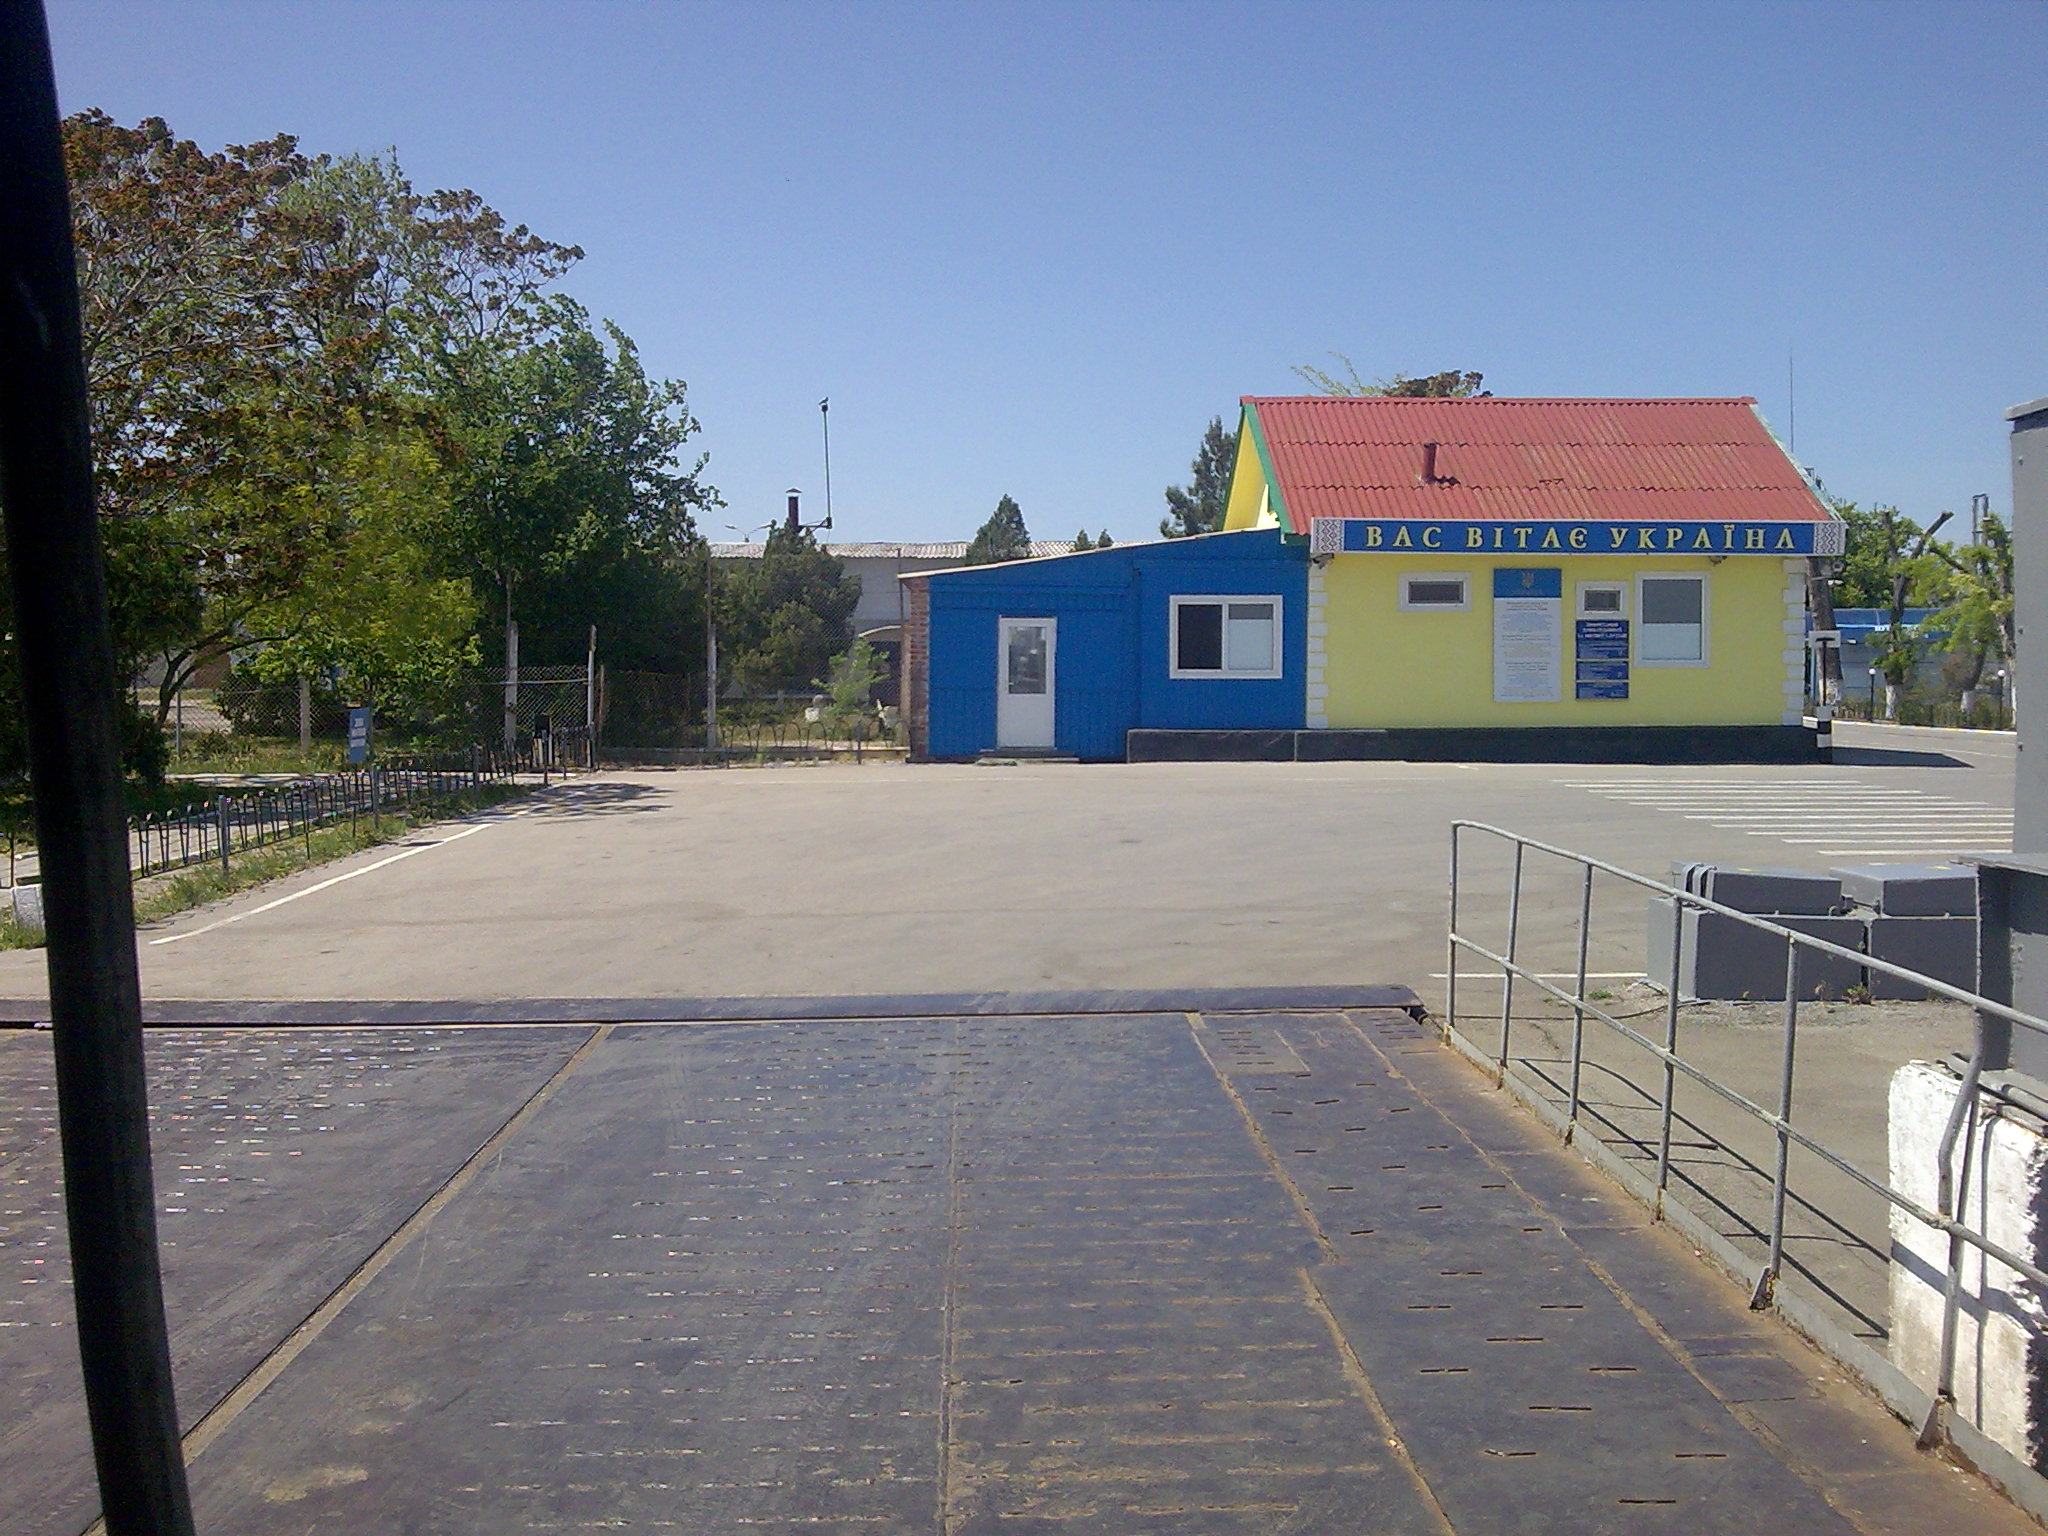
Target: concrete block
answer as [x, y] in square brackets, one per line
[25, 903]
[1942, 947]
[1911, 890]
[1768, 890]
[2001, 1379]
[1728, 959]
[1663, 928]
[1722, 958]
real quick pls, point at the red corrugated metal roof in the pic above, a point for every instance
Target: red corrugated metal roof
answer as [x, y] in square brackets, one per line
[1514, 460]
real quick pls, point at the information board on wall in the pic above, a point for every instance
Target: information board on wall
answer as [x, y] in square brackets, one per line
[1528, 635]
[1600, 659]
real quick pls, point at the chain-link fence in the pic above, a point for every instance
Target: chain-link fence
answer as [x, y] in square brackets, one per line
[1980, 711]
[244, 716]
[247, 722]
[663, 713]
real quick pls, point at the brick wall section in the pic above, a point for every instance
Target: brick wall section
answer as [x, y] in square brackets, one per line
[917, 635]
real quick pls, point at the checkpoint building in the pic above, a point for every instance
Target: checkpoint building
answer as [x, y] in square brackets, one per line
[1562, 580]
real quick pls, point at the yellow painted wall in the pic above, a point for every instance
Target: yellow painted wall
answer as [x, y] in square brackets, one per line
[1386, 667]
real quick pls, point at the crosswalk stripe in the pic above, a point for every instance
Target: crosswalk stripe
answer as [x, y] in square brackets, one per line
[1833, 819]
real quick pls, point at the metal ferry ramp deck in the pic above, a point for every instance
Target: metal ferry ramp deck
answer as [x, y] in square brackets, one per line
[1272, 1261]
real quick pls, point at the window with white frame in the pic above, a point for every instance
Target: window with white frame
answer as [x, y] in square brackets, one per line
[1603, 599]
[1671, 627]
[1423, 591]
[1225, 636]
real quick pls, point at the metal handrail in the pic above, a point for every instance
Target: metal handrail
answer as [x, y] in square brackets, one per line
[1952, 1183]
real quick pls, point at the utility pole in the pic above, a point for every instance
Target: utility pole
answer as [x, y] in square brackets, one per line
[66, 654]
[590, 701]
[710, 659]
[511, 684]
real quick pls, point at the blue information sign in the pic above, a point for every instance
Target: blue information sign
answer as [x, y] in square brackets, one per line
[1600, 648]
[359, 733]
[1603, 639]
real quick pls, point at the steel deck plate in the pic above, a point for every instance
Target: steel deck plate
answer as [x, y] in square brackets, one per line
[989, 1272]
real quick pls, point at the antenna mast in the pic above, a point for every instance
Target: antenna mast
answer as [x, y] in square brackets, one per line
[825, 419]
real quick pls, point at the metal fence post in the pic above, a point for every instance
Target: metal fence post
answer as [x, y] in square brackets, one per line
[1571, 1119]
[1952, 1189]
[220, 806]
[1768, 1280]
[1451, 944]
[1507, 975]
[1670, 1046]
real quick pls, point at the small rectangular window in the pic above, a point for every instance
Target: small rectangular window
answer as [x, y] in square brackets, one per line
[1602, 600]
[1430, 591]
[1673, 627]
[1226, 637]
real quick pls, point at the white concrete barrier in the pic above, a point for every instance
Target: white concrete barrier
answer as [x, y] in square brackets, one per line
[2001, 1372]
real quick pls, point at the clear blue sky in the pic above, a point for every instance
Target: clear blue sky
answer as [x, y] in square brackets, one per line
[1032, 248]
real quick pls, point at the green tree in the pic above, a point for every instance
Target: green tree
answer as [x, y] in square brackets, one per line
[1200, 506]
[1450, 385]
[784, 617]
[258, 330]
[1104, 541]
[570, 487]
[1886, 565]
[1002, 537]
[1974, 586]
[849, 685]
[1082, 542]
[375, 605]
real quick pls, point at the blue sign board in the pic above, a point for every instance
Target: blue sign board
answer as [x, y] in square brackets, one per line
[359, 733]
[1371, 535]
[1601, 652]
[1603, 639]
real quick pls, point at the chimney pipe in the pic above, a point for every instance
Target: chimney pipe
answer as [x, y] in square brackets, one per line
[795, 522]
[1429, 464]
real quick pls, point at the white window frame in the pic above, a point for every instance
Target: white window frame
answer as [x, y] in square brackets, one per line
[1462, 578]
[1603, 586]
[1179, 600]
[1706, 617]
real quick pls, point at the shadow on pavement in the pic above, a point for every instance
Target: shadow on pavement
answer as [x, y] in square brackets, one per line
[1892, 757]
[594, 800]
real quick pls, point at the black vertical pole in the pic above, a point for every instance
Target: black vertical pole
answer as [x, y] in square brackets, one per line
[69, 692]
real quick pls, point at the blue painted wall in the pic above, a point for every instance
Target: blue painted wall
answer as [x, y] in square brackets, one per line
[1111, 663]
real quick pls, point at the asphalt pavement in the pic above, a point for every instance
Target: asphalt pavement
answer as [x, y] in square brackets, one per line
[949, 878]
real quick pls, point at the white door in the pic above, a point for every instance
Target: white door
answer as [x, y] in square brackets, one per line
[1024, 682]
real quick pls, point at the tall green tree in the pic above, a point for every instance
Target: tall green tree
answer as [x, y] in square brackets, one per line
[1452, 384]
[1199, 507]
[1974, 586]
[262, 333]
[1002, 537]
[783, 618]
[569, 466]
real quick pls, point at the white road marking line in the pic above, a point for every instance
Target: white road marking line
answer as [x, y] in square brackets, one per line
[1874, 821]
[268, 906]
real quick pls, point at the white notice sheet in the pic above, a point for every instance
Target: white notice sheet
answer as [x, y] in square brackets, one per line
[1528, 650]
